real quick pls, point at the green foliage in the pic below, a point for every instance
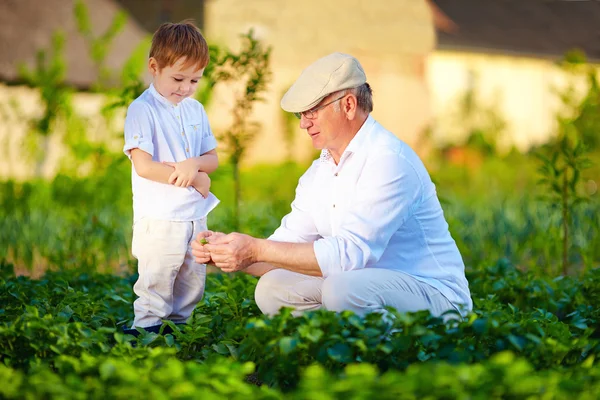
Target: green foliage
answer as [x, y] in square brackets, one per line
[98, 46]
[132, 86]
[61, 335]
[583, 109]
[38, 219]
[530, 336]
[209, 79]
[289, 123]
[479, 125]
[56, 96]
[561, 168]
[249, 74]
[49, 77]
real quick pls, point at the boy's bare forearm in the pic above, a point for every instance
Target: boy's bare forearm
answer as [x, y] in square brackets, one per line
[207, 162]
[202, 183]
[149, 169]
[155, 171]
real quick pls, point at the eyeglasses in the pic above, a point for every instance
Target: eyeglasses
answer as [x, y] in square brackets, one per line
[312, 113]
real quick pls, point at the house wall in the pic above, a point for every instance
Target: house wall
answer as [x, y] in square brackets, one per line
[521, 89]
[390, 39]
[21, 147]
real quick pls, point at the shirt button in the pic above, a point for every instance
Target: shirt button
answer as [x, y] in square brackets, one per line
[182, 133]
[334, 206]
[187, 149]
[336, 174]
[178, 117]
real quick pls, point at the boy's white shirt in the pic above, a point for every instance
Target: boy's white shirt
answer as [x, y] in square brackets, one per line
[168, 133]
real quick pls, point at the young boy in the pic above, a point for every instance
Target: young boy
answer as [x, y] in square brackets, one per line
[172, 149]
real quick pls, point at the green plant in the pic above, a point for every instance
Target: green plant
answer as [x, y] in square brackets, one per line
[478, 124]
[49, 77]
[131, 86]
[289, 123]
[248, 73]
[561, 168]
[98, 46]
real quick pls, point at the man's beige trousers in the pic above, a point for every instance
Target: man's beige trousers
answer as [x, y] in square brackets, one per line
[362, 291]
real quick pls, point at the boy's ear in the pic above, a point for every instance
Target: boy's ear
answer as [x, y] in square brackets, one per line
[153, 66]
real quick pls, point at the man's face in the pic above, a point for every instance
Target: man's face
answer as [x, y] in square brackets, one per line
[175, 82]
[324, 129]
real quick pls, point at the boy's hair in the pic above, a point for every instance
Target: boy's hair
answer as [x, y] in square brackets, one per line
[173, 41]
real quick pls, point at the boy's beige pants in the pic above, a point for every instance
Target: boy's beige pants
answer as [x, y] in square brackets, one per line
[170, 282]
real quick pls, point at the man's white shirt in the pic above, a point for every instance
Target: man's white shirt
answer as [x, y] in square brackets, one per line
[170, 133]
[377, 208]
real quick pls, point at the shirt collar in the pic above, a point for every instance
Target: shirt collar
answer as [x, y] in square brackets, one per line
[161, 99]
[355, 144]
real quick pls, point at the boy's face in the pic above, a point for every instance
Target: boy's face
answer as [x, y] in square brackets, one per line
[175, 82]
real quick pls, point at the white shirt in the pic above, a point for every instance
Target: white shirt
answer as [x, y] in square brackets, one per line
[377, 208]
[168, 133]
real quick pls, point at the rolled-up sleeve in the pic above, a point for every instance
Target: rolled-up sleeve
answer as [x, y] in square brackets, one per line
[138, 129]
[298, 226]
[208, 139]
[388, 191]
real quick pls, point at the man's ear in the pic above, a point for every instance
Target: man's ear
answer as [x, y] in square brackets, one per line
[350, 106]
[153, 66]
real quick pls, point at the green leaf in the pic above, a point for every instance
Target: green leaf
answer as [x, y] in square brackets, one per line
[516, 341]
[340, 352]
[169, 340]
[287, 345]
[148, 338]
[107, 370]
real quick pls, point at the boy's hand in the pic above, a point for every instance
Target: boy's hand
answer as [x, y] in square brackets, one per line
[202, 183]
[184, 174]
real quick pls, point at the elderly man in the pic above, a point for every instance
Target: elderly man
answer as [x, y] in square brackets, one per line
[366, 229]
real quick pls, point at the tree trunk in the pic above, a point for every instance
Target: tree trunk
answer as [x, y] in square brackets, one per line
[236, 195]
[565, 222]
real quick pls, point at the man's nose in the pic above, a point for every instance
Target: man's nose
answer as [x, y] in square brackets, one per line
[305, 123]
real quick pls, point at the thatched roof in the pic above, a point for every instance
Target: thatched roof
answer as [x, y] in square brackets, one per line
[540, 28]
[27, 26]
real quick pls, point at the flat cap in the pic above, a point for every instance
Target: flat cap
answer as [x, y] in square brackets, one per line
[329, 74]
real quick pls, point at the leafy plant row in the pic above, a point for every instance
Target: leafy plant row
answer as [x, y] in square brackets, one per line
[161, 375]
[550, 323]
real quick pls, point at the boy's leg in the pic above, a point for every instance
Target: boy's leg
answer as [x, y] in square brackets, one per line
[282, 288]
[189, 284]
[160, 247]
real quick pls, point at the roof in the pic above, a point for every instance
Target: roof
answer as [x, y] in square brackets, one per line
[27, 26]
[539, 28]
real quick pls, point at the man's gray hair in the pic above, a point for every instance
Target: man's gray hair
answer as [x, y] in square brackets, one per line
[364, 97]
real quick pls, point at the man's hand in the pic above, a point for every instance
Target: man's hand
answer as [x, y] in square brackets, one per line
[199, 250]
[185, 172]
[233, 252]
[202, 183]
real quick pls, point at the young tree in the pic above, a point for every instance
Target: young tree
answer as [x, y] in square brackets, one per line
[566, 157]
[48, 76]
[248, 73]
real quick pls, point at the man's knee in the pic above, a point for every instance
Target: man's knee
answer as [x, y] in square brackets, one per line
[267, 293]
[338, 294]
